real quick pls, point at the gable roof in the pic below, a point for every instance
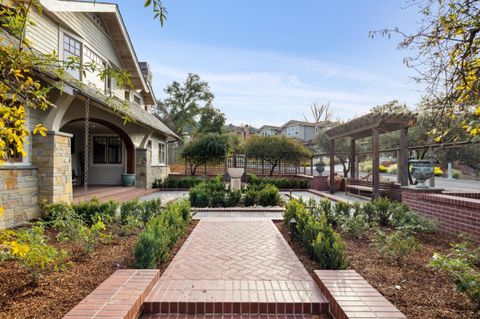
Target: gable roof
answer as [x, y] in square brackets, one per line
[269, 127]
[295, 122]
[111, 16]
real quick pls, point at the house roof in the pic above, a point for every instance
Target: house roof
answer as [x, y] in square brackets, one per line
[295, 122]
[269, 127]
[110, 14]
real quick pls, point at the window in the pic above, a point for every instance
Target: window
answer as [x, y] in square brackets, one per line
[107, 150]
[149, 145]
[161, 153]
[72, 49]
[93, 77]
[127, 95]
[137, 99]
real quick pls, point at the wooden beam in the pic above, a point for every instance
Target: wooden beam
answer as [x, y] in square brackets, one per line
[352, 159]
[402, 165]
[332, 166]
[375, 163]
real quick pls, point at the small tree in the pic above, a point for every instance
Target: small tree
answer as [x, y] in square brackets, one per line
[274, 149]
[206, 148]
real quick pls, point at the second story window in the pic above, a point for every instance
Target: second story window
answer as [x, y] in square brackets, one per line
[93, 76]
[137, 99]
[72, 49]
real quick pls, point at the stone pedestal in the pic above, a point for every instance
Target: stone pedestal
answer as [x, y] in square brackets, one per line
[236, 178]
[51, 154]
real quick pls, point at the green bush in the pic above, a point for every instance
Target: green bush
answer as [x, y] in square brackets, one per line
[457, 174]
[268, 196]
[234, 197]
[328, 248]
[251, 197]
[395, 246]
[368, 209]
[279, 182]
[408, 221]
[355, 227]
[462, 265]
[160, 234]
[89, 210]
[199, 196]
[382, 210]
[392, 169]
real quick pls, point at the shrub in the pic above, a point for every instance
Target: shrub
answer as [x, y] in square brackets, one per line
[342, 209]
[88, 210]
[307, 228]
[234, 198]
[157, 183]
[355, 227]
[382, 210]
[279, 182]
[461, 264]
[457, 174]
[328, 248]
[368, 209]
[365, 166]
[199, 195]
[160, 234]
[406, 220]
[392, 169]
[382, 168]
[28, 246]
[395, 246]
[437, 171]
[148, 209]
[251, 197]
[268, 196]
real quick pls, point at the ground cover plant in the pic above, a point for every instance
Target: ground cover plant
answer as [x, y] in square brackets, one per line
[392, 248]
[49, 265]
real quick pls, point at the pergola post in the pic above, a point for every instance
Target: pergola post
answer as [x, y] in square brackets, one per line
[402, 161]
[375, 163]
[352, 159]
[332, 166]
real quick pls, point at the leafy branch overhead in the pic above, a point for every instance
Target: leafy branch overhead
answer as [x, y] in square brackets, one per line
[159, 10]
[447, 61]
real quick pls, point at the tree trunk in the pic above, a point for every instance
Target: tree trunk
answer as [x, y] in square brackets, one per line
[273, 168]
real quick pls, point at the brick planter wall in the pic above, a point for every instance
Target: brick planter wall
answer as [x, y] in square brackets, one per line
[18, 195]
[455, 214]
[319, 183]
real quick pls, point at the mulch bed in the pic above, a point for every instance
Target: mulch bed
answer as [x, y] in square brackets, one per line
[414, 288]
[58, 292]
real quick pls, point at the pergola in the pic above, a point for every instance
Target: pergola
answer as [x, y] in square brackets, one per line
[373, 124]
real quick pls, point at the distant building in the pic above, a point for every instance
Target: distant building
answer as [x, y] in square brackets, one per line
[269, 130]
[242, 131]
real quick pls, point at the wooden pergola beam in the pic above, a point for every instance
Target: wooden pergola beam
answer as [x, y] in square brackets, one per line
[375, 163]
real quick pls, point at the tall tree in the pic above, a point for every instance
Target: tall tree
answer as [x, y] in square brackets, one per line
[184, 102]
[447, 60]
[276, 149]
[212, 120]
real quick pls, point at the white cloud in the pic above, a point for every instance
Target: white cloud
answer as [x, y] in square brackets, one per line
[267, 88]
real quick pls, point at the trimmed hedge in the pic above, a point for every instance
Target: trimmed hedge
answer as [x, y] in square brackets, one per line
[183, 182]
[279, 182]
[160, 234]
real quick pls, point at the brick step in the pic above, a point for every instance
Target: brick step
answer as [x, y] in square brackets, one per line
[228, 308]
[224, 316]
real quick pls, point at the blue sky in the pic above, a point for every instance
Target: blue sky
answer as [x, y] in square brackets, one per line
[267, 61]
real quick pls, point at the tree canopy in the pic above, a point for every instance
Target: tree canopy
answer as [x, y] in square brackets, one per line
[212, 120]
[276, 149]
[184, 103]
[206, 148]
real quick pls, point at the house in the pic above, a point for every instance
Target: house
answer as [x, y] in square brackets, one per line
[269, 130]
[304, 131]
[242, 131]
[88, 140]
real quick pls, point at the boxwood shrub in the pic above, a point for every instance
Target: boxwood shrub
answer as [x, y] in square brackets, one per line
[279, 182]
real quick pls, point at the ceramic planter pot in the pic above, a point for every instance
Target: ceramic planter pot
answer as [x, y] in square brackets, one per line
[128, 180]
[422, 170]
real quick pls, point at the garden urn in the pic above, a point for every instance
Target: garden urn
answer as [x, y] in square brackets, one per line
[422, 170]
[320, 168]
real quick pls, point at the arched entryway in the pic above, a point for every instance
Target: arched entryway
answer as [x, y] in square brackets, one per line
[111, 151]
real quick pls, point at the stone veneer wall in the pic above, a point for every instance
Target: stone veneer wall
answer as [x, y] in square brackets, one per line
[455, 214]
[145, 172]
[51, 154]
[18, 195]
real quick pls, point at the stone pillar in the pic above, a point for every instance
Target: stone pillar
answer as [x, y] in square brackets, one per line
[51, 154]
[143, 174]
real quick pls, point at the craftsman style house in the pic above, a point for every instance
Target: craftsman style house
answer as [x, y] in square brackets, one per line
[88, 141]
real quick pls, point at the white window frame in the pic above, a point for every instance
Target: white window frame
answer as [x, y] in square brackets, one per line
[162, 150]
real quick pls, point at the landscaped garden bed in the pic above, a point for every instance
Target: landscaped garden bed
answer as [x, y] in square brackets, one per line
[395, 256]
[106, 238]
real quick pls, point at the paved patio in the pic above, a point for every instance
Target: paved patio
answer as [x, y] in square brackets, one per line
[232, 265]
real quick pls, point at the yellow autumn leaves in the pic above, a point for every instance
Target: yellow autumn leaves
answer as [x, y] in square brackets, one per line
[16, 249]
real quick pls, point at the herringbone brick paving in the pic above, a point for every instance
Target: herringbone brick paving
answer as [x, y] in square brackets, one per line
[236, 266]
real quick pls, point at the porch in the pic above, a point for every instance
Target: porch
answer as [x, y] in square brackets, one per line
[106, 193]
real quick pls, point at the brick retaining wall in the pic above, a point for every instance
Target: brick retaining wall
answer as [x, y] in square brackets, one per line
[455, 214]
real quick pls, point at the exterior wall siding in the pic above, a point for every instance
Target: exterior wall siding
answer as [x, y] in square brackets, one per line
[44, 34]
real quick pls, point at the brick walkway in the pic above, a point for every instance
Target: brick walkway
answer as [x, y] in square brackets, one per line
[231, 265]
